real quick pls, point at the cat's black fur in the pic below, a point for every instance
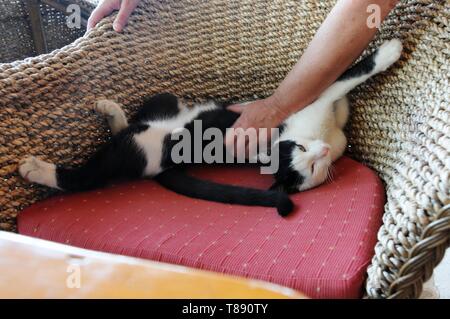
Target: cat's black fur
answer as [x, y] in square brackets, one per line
[105, 164]
[184, 184]
[286, 177]
[159, 106]
[364, 66]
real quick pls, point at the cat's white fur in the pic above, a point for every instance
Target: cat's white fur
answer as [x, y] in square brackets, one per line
[37, 171]
[319, 127]
[114, 115]
[151, 140]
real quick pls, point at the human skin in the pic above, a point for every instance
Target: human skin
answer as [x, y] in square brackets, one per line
[106, 7]
[339, 41]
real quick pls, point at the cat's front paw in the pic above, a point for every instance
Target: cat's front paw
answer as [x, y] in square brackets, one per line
[37, 171]
[107, 107]
[388, 53]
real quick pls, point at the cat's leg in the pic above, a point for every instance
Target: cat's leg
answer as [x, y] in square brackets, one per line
[341, 112]
[386, 55]
[114, 114]
[157, 107]
[121, 157]
[37, 171]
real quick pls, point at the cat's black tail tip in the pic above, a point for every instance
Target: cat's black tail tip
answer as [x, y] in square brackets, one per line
[284, 205]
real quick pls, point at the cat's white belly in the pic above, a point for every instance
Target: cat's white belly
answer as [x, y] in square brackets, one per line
[151, 141]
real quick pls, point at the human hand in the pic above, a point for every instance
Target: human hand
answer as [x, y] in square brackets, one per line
[106, 7]
[258, 115]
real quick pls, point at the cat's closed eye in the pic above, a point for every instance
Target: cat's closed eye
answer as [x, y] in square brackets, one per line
[312, 168]
[301, 147]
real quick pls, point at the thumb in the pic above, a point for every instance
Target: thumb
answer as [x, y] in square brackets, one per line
[238, 108]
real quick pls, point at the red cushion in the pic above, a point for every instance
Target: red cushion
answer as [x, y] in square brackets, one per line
[322, 249]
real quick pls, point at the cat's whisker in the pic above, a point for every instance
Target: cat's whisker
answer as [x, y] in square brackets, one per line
[330, 173]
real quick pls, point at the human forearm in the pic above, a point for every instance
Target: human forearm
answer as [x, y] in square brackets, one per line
[339, 41]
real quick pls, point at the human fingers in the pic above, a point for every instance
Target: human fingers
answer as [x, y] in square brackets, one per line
[102, 10]
[126, 8]
[238, 108]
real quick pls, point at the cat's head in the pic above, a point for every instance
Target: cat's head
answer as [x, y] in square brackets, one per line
[303, 164]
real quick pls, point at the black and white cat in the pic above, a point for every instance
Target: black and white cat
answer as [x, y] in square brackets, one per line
[309, 142]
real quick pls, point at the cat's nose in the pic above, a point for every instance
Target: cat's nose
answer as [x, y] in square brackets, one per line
[325, 151]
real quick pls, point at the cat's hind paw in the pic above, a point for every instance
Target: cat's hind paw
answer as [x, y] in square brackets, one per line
[37, 171]
[114, 114]
[388, 53]
[108, 108]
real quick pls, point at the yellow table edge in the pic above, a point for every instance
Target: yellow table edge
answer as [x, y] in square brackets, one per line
[36, 268]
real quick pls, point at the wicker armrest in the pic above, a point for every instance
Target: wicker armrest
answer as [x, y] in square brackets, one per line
[401, 127]
[228, 50]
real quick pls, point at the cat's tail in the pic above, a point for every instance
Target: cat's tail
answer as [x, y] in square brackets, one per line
[180, 182]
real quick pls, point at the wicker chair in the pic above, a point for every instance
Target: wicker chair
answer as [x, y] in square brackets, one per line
[400, 124]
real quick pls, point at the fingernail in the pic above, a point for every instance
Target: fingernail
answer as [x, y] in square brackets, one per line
[117, 27]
